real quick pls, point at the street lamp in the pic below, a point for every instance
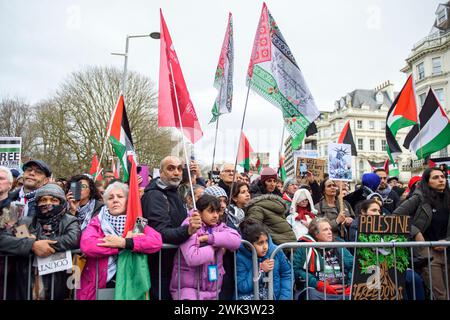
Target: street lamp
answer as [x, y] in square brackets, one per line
[153, 35]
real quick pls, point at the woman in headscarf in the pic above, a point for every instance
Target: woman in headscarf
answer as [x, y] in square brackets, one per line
[103, 239]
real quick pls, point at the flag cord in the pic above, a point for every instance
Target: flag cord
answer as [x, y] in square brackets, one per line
[240, 137]
[182, 136]
[215, 143]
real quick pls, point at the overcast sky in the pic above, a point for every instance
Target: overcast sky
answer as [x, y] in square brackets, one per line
[339, 45]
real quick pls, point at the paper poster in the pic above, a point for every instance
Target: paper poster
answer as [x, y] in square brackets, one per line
[340, 162]
[315, 166]
[56, 262]
[10, 152]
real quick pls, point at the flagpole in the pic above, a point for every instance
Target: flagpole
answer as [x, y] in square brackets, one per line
[239, 144]
[281, 149]
[215, 143]
[182, 136]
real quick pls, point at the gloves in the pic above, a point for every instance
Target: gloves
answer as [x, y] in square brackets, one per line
[348, 290]
[320, 286]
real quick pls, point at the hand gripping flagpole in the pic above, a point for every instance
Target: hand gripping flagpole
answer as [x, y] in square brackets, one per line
[182, 136]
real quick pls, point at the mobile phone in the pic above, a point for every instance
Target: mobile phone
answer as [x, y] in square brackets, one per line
[75, 188]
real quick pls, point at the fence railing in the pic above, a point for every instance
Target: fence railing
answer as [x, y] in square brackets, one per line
[356, 245]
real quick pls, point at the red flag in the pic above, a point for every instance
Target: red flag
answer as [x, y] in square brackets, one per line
[114, 169]
[134, 208]
[347, 138]
[386, 166]
[244, 153]
[171, 76]
[94, 166]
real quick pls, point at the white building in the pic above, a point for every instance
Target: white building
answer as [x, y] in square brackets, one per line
[429, 63]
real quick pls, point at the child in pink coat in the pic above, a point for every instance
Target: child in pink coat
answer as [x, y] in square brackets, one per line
[201, 259]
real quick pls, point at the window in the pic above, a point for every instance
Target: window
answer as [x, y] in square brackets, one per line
[361, 168]
[325, 148]
[420, 71]
[372, 145]
[360, 144]
[334, 127]
[383, 145]
[441, 16]
[443, 152]
[372, 125]
[422, 98]
[440, 95]
[437, 67]
[359, 124]
[383, 125]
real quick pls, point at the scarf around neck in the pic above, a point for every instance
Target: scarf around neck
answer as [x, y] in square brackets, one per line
[84, 214]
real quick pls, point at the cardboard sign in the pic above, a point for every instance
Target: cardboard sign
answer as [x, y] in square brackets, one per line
[10, 152]
[56, 262]
[340, 161]
[372, 280]
[316, 166]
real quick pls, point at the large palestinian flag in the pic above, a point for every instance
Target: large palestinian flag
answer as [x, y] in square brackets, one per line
[119, 134]
[275, 75]
[346, 137]
[433, 134]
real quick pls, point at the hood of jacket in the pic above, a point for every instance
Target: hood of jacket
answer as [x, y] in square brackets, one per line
[270, 202]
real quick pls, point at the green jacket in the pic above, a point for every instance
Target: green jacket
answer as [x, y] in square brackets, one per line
[270, 210]
[421, 213]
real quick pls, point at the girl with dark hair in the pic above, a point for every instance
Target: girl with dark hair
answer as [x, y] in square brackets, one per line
[429, 207]
[371, 207]
[340, 213]
[239, 199]
[256, 233]
[199, 274]
[89, 204]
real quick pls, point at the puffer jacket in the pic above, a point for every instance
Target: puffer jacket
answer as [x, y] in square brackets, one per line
[195, 259]
[421, 213]
[150, 242]
[282, 280]
[270, 210]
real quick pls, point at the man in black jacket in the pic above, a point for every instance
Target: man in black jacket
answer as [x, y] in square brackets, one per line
[226, 177]
[162, 206]
[391, 200]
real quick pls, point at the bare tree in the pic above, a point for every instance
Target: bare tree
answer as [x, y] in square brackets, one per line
[72, 125]
[17, 120]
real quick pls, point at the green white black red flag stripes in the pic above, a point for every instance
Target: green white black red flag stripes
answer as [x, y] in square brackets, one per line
[274, 74]
[434, 131]
[119, 134]
[402, 114]
[223, 80]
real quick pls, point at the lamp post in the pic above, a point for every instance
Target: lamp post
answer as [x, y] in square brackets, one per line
[153, 35]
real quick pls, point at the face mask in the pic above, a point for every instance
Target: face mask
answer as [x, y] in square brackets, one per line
[49, 209]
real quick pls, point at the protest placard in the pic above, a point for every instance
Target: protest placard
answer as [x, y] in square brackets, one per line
[340, 161]
[56, 262]
[315, 166]
[379, 271]
[10, 152]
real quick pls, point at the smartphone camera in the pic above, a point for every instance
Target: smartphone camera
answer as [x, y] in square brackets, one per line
[75, 188]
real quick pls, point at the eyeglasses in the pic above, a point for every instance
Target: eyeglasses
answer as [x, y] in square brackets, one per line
[228, 171]
[84, 186]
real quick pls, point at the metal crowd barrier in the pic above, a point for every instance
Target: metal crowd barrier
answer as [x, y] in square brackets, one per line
[341, 245]
[165, 247]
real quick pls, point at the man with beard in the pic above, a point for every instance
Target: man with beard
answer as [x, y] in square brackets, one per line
[36, 174]
[163, 207]
[391, 200]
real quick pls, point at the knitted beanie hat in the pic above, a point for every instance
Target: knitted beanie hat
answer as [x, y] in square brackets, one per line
[268, 173]
[371, 180]
[51, 189]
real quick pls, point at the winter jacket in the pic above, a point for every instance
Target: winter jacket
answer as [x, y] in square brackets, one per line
[300, 258]
[282, 280]
[149, 243]
[195, 259]
[68, 238]
[421, 213]
[270, 210]
[391, 202]
[331, 213]
[165, 213]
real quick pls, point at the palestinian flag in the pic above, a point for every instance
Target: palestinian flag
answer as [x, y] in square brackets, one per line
[95, 171]
[433, 134]
[258, 164]
[281, 169]
[374, 165]
[274, 74]
[347, 138]
[223, 80]
[244, 153]
[119, 134]
[132, 276]
[402, 114]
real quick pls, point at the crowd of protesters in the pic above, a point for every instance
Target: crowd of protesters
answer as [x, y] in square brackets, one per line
[40, 216]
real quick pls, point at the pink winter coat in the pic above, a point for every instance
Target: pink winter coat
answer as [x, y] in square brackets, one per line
[194, 263]
[149, 243]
